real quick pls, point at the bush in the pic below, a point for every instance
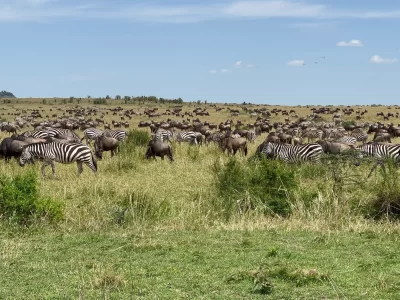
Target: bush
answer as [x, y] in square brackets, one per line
[135, 138]
[99, 101]
[386, 203]
[264, 185]
[20, 201]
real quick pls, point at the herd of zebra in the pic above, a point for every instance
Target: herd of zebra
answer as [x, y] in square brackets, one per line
[65, 146]
[58, 145]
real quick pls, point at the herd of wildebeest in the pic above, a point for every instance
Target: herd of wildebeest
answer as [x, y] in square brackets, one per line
[51, 135]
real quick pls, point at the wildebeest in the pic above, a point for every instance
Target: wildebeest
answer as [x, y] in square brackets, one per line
[11, 148]
[104, 143]
[233, 145]
[160, 149]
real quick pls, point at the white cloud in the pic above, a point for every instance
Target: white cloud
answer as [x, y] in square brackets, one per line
[213, 71]
[295, 63]
[225, 71]
[44, 10]
[277, 8]
[238, 64]
[352, 43]
[376, 59]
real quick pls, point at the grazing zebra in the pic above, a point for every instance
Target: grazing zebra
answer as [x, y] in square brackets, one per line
[186, 136]
[347, 139]
[313, 134]
[360, 135]
[381, 151]
[119, 135]
[91, 134]
[293, 153]
[215, 137]
[63, 153]
[293, 131]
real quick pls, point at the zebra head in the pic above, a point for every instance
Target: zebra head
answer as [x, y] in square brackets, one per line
[26, 157]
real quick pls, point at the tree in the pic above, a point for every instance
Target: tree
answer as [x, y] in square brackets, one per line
[89, 97]
[118, 97]
[4, 94]
[108, 97]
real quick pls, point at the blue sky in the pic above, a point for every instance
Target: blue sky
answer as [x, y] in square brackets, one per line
[275, 52]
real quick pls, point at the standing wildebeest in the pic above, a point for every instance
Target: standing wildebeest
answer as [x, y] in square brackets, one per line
[160, 149]
[104, 143]
[11, 148]
[233, 145]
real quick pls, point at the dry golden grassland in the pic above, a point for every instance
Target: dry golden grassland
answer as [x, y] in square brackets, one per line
[159, 230]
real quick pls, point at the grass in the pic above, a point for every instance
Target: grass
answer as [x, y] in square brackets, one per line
[154, 229]
[210, 264]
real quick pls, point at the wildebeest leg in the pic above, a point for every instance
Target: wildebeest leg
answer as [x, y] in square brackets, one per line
[162, 156]
[80, 168]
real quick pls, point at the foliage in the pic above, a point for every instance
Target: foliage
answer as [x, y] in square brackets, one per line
[99, 101]
[386, 202]
[258, 185]
[20, 201]
[5, 94]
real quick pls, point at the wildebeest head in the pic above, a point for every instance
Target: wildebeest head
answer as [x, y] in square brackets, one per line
[98, 147]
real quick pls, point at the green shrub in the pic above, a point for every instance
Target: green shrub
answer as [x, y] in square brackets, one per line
[99, 101]
[386, 202]
[21, 203]
[135, 138]
[264, 185]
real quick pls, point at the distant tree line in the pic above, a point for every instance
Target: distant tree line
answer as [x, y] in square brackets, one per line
[4, 94]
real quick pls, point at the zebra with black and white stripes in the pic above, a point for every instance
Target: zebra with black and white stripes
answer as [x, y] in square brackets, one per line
[251, 136]
[58, 152]
[293, 153]
[119, 135]
[91, 134]
[162, 135]
[360, 135]
[312, 134]
[186, 136]
[381, 151]
[55, 132]
[347, 139]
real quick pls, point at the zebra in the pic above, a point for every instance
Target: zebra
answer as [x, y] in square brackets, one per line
[91, 134]
[381, 151]
[162, 135]
[186, 136]
[293, 153]
[215, 137]
[347, 139]
[63, 153]
[360, 135]
[251, 136]
[312, 134]
[119, 135]
[55, 132]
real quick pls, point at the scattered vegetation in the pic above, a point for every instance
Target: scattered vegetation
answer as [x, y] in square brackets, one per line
[20, 202]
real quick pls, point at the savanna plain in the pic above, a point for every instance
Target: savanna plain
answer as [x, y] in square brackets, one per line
[207, 226]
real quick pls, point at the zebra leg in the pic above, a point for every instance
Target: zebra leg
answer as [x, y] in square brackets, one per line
[80, 168]
[47, 162]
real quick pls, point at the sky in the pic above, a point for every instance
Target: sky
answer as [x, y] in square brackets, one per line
[327, 52]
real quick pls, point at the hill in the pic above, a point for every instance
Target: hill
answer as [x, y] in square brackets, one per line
[5, 94]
